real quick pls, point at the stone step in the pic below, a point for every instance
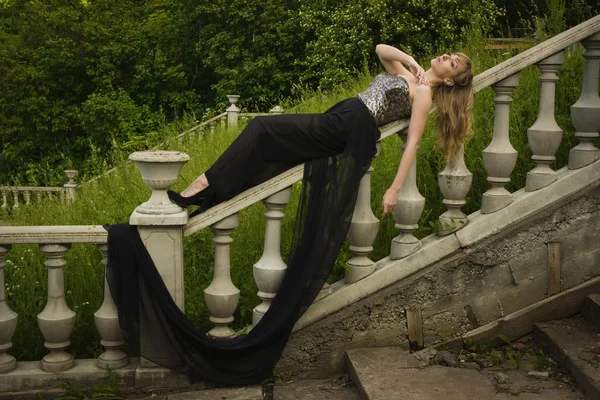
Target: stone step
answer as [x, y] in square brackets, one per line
[393, 373]
[317, 389]
[574, 344]
[591, 309]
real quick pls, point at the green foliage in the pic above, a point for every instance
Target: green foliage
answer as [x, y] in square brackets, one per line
[83, 79]
[344, 33]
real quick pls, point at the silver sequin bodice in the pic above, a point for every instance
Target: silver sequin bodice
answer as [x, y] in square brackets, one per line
[387, 98]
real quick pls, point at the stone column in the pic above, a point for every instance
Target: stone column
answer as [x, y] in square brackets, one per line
[57, 320]
[270, 269]
[107, 323]
[362, 233]
[455, 182]
[27, 196]
[8, 320]
[15, 199]
[160, 221]
[222, 296]
[545, 135]
[277, 110]
[233, 111]
[585, 113]
[407, 212]
[500, 157]
[71, 185]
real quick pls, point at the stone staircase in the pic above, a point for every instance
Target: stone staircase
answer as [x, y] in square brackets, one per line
[573, 343]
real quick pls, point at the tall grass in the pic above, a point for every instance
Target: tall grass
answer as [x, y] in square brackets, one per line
[113, 198]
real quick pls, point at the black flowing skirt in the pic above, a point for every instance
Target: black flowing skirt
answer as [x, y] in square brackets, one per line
[337, 148]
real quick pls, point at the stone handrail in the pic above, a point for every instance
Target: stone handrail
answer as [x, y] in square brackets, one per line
[10, 235]
[536, 53]
[66, 192]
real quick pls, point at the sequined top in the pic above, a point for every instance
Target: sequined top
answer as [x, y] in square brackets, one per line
[387, 98]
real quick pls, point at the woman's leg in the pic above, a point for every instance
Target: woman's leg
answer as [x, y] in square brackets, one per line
[267, 147]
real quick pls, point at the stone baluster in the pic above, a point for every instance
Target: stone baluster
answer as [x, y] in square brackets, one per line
[232, 111]
[38, 196]
[277, 110]
[160, 221]
[585, 113]
[57, 320]
[4, 201]
[107, 323]
[62, 196]
[500, 157]
[212, 126]
[71, 186]
[8, 320]
[27, 197]
[50, 195]
[222, 296]
[270, 269]
[15, 199]
[454, 181]
[407, 212]
[223, 121]
[362, 233]
[545, 135]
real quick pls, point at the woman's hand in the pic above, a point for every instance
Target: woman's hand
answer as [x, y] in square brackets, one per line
[390, 198]
[418, 72]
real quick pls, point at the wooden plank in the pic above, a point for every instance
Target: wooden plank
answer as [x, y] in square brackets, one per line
[414, 323]
[520, 323]
[553, 268]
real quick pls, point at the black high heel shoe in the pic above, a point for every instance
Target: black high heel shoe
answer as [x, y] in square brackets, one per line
[196, 199]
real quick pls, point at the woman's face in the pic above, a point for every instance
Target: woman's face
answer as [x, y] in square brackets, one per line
[446, 67]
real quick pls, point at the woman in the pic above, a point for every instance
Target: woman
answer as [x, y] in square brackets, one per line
[272, 144]
[337, 148]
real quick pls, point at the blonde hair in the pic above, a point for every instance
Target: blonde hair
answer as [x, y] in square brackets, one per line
[453, 114]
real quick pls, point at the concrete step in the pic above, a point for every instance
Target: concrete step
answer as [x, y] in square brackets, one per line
[591, 309]
[575, 344]
[393, 373]
[317, 389]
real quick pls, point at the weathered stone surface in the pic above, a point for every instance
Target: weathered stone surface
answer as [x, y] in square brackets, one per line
[545, 394]
[245, 393]
[591, 309]
[564, 340]
[500, 377]
[433, 383]
[426, 355]
[147, 378]
[446, 358]
[316, 389]
[29, 376]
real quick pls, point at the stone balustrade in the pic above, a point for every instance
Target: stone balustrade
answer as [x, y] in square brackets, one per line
[163, 225]
[16, 196]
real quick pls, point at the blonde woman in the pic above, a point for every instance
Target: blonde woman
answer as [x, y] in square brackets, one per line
[337, 148]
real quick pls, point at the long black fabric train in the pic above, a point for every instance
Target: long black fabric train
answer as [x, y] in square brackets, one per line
[160, 332]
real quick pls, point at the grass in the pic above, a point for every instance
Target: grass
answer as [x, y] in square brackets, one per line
[112, 199]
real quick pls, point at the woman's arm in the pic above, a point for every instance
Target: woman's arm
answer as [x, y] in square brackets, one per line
[418, 119]
[392, 59]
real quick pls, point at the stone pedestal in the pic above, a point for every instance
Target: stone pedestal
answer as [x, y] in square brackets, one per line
[160, 221]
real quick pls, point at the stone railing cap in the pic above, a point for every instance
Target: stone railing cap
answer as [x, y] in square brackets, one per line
[161, 156]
